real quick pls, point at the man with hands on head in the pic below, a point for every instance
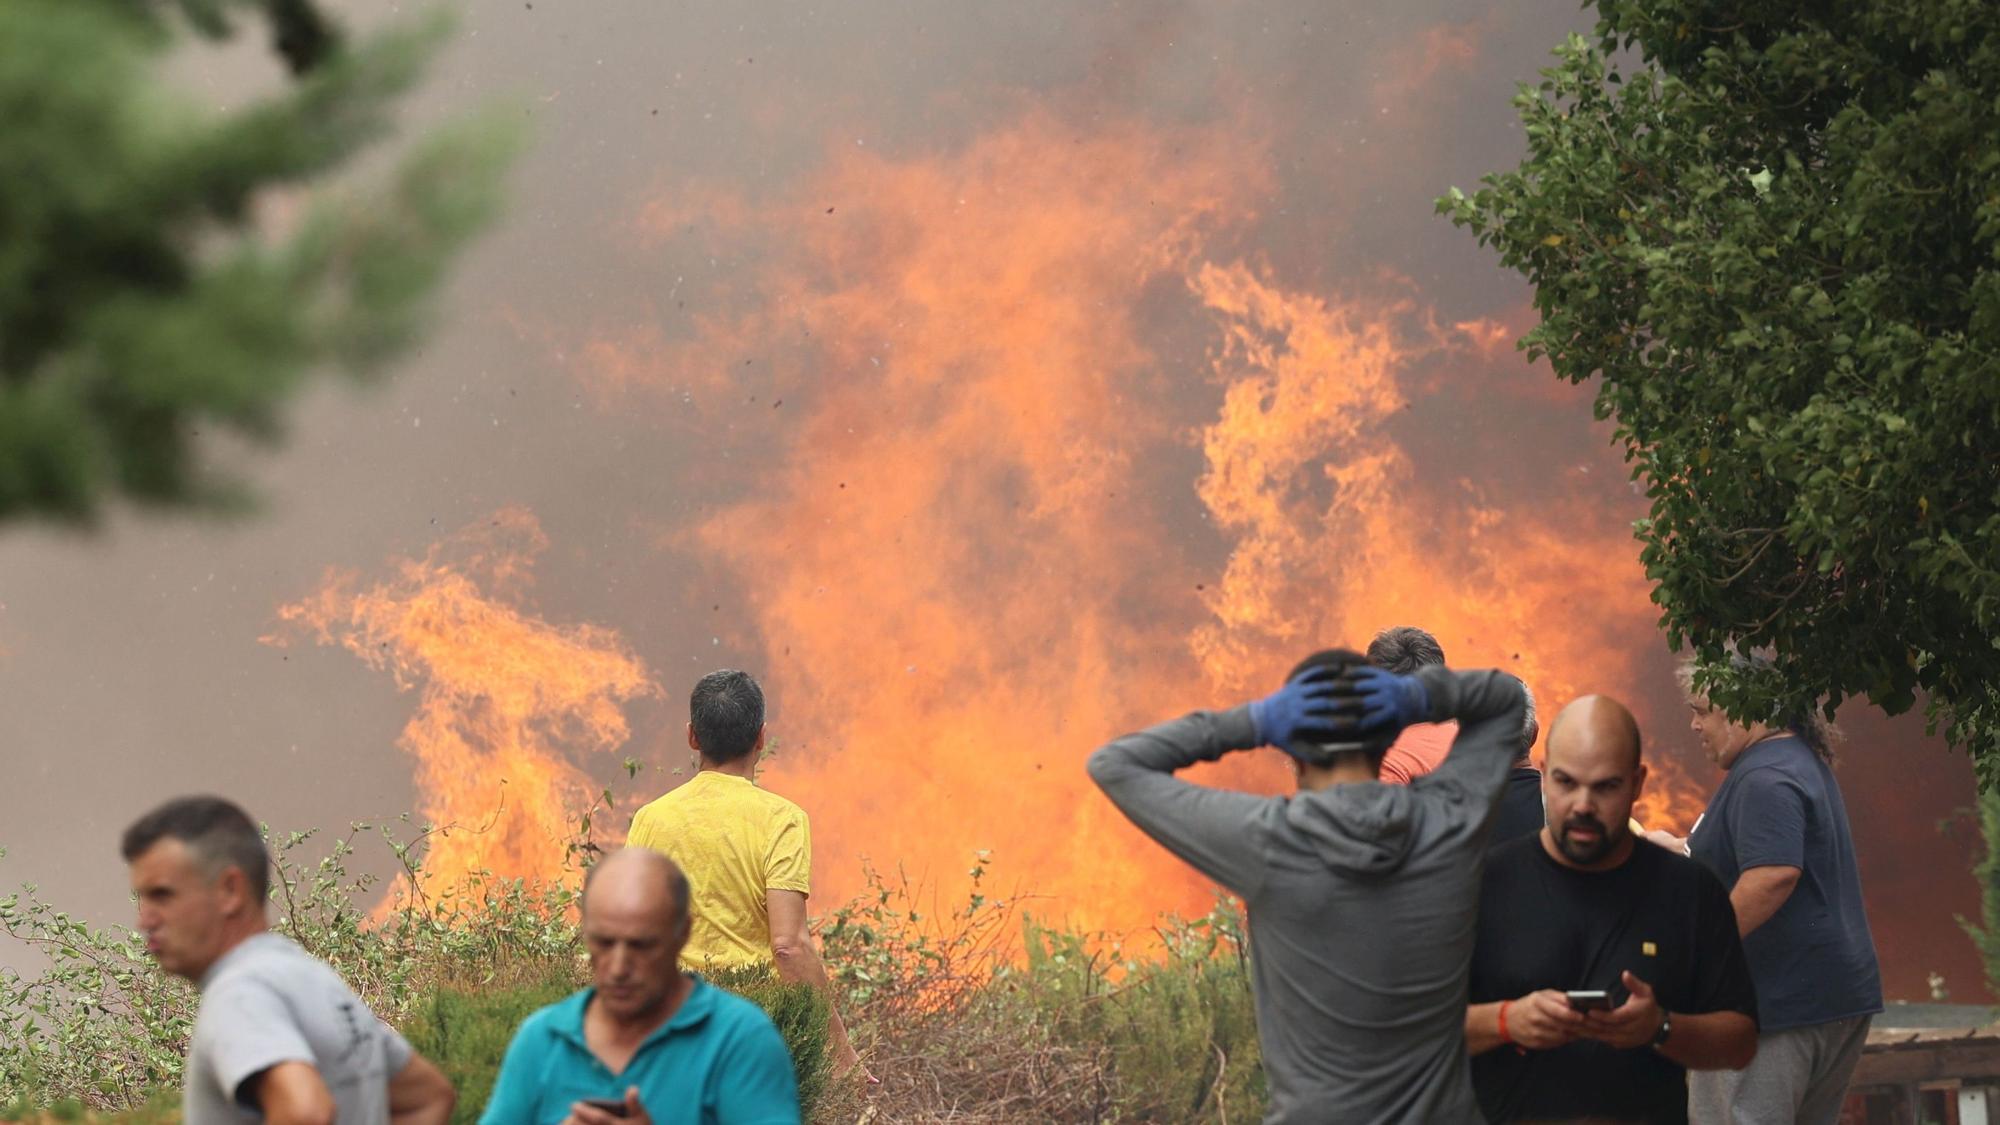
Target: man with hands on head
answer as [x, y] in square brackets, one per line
[1361, 895]
[1584, 908]
[646, 1042]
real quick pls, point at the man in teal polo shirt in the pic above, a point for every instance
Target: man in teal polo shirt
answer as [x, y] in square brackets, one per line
[647, 1042]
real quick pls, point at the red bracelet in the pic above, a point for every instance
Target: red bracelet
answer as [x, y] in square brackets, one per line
[1504, 1037]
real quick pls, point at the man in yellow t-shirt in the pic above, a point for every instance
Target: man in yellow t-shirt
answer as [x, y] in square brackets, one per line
[747, 853]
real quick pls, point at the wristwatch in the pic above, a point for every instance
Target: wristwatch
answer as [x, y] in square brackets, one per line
[1666, 1029]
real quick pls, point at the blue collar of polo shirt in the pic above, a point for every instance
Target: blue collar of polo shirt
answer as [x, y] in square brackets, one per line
[693, 1012]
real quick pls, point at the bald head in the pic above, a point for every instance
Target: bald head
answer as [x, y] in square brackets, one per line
[635, 924]
[1592, 778]
[1596, 727]
[638, 882]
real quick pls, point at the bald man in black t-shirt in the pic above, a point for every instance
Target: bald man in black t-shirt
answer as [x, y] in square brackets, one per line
[1584, 906]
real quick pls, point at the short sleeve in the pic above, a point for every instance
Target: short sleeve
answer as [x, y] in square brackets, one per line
[788, 858]
[1397, 766]
[755, 1083]
[516, 1097]
[1417, 751]
[1767, 824]
[1722, 972]
[642, 832]
[396, 1050]
[248, 1029]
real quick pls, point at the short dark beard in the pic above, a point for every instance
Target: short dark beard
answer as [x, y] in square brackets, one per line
[1586, 856]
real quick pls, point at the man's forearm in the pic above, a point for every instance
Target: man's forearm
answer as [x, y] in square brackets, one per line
[1469, 697]
[293, 1093]
[436, 1112]
[1215, 830]
[1200, 737]
[420, 1094]
[800, 964]
[1490, 708]
[1759, 893]
[1712, 1041]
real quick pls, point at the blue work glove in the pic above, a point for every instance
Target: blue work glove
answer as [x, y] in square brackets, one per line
[1304, 706]
[1370, 701]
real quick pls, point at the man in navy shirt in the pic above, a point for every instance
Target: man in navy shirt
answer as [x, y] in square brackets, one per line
[1776, 834]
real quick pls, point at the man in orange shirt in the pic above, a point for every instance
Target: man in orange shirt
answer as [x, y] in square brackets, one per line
[1420, 748]
[747, 852]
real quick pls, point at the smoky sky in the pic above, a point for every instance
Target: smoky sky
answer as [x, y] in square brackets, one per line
[130, 662]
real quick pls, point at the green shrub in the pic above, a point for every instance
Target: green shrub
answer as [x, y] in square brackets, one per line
[1061, 1028]
[161, 1108]
[800, 1012]
[1176, 1035]
[465, 1031]
[100, 1028]
[958, 1018]
[1183, 1030]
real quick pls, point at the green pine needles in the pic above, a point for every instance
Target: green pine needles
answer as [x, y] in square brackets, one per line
[166, 270]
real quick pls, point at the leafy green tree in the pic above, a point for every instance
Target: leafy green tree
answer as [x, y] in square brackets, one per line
[1985, 934]
[166, 270]
[1770, 228]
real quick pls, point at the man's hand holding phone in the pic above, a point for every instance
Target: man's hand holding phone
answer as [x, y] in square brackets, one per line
[1542, 1021]
[604, 1111]
[1590, 1000]
[1631, 1024]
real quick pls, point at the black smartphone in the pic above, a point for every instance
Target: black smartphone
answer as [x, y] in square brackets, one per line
[614, 1107]
[1589, 1000]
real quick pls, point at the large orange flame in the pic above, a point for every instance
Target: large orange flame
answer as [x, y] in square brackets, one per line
[505, 699]
[1334, 538]
[1011, 524]
[1003, 531]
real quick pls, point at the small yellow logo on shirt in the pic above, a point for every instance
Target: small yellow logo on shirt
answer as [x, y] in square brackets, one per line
[1649, 949]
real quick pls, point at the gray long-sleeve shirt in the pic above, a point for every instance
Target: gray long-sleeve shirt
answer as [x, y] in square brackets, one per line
[1361, 898]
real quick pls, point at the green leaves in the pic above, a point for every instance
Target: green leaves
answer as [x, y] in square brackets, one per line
[97, 1025]
[1774, 243]
[149, 288]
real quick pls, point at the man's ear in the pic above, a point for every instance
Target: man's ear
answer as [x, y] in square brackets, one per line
[694, 743]
[1639, 780]
[759, 744]
[234, 887]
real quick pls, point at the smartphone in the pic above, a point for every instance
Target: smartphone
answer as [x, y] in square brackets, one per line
[616, 1107]
[1589, 1000]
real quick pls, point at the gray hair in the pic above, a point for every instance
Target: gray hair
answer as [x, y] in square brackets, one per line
[1403, 649]
[1808, 722]
[726, 710]
[217, 832]
[1531, 727]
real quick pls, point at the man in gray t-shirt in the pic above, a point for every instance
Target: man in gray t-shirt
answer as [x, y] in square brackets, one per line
[279, 1037]
[267, 1003]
